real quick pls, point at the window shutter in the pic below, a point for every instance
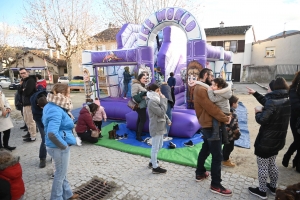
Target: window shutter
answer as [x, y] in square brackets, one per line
[241, 46]
[213, 43]
[220, 43]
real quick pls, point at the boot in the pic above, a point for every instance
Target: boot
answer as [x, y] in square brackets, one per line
[42, 163]
[9, 148]
[23, 127]
[6, 137]
[112, 134]
[286, 160]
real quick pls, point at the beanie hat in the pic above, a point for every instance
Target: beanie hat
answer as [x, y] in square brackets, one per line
[271, 85]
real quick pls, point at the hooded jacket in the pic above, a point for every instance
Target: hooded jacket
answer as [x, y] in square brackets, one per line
[274, 121]
[5, 122]
[100, 113]
[41, 84]
[157, 108]
[85, 121]
[12, 172]
[27, 89]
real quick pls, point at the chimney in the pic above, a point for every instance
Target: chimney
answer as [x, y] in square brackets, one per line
[57, 54]
[222, 24]
[50, 53]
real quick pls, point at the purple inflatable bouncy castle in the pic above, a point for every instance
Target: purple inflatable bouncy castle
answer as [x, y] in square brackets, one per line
[137, 48]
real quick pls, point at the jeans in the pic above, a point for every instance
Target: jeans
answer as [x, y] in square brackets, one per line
[215, 148]
[227, 149]
[40, 125]
[125, 89]
[157, 143]
[141, 119]
[216, 129]
[61, 189]
[169, 114]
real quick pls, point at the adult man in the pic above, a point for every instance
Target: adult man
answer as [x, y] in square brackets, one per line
[27, 89]
[205, 111]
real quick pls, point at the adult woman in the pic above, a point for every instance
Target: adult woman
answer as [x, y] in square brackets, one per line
[59, 136]
[138, 92]
[274, 121]
[85, 123]
[126, 80]
[157, 108]
[294, 94]
[5, 122]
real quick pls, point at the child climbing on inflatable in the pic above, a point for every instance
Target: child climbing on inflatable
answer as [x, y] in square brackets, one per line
[219, 93]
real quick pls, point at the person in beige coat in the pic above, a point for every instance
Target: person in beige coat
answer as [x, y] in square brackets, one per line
[5, 122]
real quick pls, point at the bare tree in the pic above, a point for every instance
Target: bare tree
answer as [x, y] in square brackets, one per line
[63, 25]
[136, 11]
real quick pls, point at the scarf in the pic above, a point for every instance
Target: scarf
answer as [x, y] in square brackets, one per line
[61, 101]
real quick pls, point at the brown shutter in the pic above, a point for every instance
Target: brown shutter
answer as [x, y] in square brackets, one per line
[220, 43]
[241, 46]
[213, 43]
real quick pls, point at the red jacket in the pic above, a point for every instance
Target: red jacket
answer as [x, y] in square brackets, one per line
[85, 121]
[42, 83]
[12, 172]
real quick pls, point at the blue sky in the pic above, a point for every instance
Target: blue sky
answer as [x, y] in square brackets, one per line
[268, 17]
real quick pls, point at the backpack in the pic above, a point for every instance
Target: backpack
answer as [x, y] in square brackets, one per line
[33, 101]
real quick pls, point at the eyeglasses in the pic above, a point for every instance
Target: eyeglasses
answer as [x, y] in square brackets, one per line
[23, 73]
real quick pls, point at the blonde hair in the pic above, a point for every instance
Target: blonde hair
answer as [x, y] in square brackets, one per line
[60, 88]
[5, 157]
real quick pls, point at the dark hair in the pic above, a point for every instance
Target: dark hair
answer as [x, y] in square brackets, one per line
[152, 87]
[280, 84]
[38, 76]
[22, 68]
[296, 82]
[140, 76]
[204, 71]
[220, 82]
[93, 108]
[42, 101]
[172, 74]
[233, 99]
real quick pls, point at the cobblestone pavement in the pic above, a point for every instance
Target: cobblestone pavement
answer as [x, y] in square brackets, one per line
[129, 172]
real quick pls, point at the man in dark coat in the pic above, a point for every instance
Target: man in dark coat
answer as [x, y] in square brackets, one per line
[26, 90]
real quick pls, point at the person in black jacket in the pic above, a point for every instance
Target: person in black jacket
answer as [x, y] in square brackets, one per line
[274, 120]
[126, 80]
[172, 84]
[26, 90]
[294, 94]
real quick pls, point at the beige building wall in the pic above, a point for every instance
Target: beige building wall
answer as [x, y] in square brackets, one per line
[286, 51]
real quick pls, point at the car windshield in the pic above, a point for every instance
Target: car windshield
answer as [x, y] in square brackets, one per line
[78, 78]
[63, 78]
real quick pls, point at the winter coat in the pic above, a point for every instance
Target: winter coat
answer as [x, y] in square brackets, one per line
[233, 127]
[127, 77]
[12, 172]
[166, 91]
[41, 84]
[85, 121]
[100, 114]
[136, 89]
[5, 122]
[157, 108]
[37, 111]
[171, 81]
[219, 97]
[29, 86]
[57, 121]
[295, 103]
[274, 121]
[206, 109]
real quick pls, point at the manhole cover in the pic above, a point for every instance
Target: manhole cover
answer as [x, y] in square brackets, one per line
[93, 190]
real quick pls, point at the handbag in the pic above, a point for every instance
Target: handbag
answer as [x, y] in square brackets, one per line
[95, 133]
[132, 105]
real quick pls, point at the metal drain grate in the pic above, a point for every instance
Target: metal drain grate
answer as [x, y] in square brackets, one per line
[93, 190]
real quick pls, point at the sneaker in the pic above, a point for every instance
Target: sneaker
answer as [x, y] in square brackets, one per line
[42, 163]
[202, 177]
[150, 165]
[159, 170]
[172, 145]
[189, 144]
[228, 163]
[167, 139]
[26, 129]
[119, 137]
[23, 127]
[272, 190]
[26, 136]
[257, 192]
[221, 190]
[146, 139]
[29, 139]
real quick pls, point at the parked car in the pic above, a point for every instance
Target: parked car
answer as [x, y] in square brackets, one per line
[63, 79]
[15, 85]
[4, 82]
[77, 78]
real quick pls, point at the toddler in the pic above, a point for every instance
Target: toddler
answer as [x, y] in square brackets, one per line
[99, 116]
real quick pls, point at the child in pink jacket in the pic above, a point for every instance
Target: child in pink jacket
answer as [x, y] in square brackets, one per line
[99, 116]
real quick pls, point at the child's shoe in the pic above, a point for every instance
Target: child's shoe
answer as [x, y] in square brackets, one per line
[228, 163]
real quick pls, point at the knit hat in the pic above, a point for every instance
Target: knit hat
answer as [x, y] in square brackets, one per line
[271, 85]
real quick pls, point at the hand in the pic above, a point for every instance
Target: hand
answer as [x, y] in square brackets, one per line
[250, 90]
[8, 110]
[105, 119]
[229, 120]
[170, 123]
[4, 112]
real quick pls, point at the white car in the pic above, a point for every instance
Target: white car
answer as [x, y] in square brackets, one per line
[4, 82]
[63, 79]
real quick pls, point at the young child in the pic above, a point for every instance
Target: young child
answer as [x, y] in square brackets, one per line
[219, 93]
[99, 116]
[11, 171]
[157, 107]
[233, 132]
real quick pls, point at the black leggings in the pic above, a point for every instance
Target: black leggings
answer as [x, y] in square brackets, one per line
[98, 124]
[140, 121]
[227, 149]
[6, 136]
[86, 136]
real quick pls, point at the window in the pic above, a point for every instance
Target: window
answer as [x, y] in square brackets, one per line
[233, 46]
[226, 45]
[30, 59]
[270, 52]
[65, 70]
[217, 43]
[241, 46]
[208, 42]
